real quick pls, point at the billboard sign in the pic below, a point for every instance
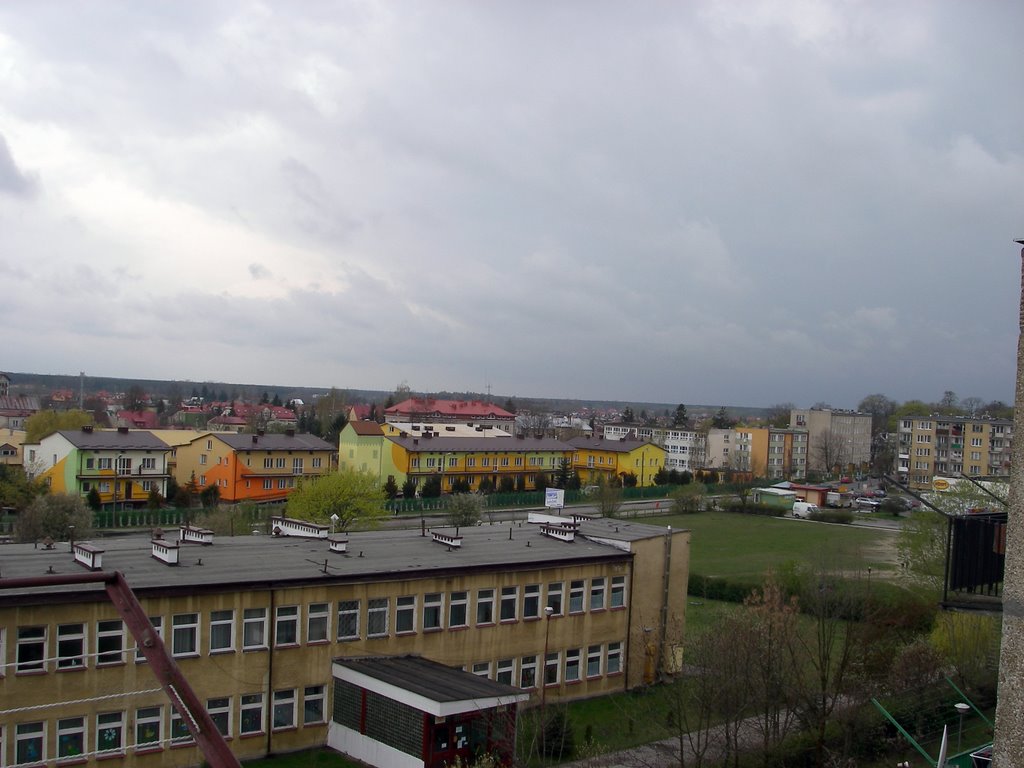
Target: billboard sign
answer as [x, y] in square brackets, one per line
[554, 497]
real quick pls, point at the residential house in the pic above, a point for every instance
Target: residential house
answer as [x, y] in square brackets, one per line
[15, 410]
[417, 410]
[11, 441]
[684, 448]
[123, 465]
[599, 460]
[252, 467]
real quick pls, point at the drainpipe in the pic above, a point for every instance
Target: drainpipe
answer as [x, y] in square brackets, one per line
[270, 675]
[660, 664]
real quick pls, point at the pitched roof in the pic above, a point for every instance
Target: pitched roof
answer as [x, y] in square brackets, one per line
[414, 443]
[463, 409]
[113, 439]
[366, 428]
[274, 442]
[597, 443]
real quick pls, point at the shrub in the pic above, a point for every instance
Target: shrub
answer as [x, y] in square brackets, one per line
[843, 516]
[749, 508]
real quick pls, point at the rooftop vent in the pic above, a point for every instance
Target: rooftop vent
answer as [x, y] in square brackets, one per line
[449, 429]
[165, 551]
[255, 439]
[287, 526]
[448, 539]
[189, 534]
[88, 555]
[564, 532]
[87, 428]
[337, 544]
[122, 430]
[290, 432]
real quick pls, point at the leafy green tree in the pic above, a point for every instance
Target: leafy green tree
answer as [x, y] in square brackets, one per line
[540, 481]
[409, 488]
[778, 414]
[506, 484]
[881, 409]
[355, 497]
[520, 483]
[43, 423]
[391, 487]
[687, 499]
[563, 474]
[16, 490]
[210, 496]
[460, 485]
[629, 480]
[608, 497]
[627, 415]
[486, 485]
[135, 399]
[661, 477]
[154, 500]
[277, 400]
[51, 516]
[92, 499]
[464, 509]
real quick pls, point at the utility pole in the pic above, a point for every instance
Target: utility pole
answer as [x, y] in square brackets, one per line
[1009, 734]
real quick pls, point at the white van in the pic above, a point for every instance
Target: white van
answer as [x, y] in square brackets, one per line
[804, 509]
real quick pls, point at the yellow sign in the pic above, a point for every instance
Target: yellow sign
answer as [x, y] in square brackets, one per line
[940, 484]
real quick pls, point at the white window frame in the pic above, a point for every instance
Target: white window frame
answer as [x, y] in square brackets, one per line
[556, 597]
[349, 610]
[74, 728]
[149, 717]
[613, 659]
[508, 606]
[552, 668]
[531, 601]
[458, 601]
[218, 621]
[405, 615]
[28, 732]
[286, 615]
[318, 623]
[577, 591]
[187, 628]
[251, 702]
[158, 626]
[107, 722]
[378, 609]
[597, 593]
[254, 629]
[573, 657]
[314, 700]
[433, 611]
[285, 703]
[38, 639]
[113, 639]
[72, 657]
[528, 668]
[594, 655]
[484, 607]
[220, 706]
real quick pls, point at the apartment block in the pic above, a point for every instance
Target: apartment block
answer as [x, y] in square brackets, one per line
[684, 448]
[930, 446]
[837, 441]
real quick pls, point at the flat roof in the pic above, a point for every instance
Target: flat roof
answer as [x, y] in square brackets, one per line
[246, 562]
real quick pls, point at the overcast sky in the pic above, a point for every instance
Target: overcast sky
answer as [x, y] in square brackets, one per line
[737, 203]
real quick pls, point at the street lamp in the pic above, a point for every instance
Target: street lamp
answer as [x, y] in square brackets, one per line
[334, 521]
[962, 710]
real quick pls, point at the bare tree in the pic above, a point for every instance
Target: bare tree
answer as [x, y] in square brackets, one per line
[830, 451]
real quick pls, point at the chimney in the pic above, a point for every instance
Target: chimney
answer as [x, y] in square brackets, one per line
[255, 439]
[122, 430]
[87, 428]
[260, 432]
[290, 432]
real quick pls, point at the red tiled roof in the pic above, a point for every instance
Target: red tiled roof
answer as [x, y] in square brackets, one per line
[139, 419]
[467, 409]
[366, 427]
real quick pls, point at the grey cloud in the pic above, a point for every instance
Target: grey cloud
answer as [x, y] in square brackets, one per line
[13, 181]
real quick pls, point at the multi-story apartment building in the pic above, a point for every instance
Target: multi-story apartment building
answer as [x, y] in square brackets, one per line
[563, 610]
[684, 448]
[256, 467]
[768, 452]
[951, 445]
[837, 441]
[123, 465]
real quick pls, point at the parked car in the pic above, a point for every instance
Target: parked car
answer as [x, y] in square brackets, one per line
[863, 502]
[803, 509]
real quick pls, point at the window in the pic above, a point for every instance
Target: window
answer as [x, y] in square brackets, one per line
[405, 614]
[313, 698]
[975, 442]
[185, 634]
[576, 596]
[149, 463]
[268, 484]
[202, 459]
[377, 617]
[179, 730]
[220, 713]
[531, 601]
[158, 626]
[70, 646]
[348, 620]
[30, 743]
[458, 610]
[506, 671]
[105, 463]
[110, 732]
[555, 598]
[109, 642]
[222, 631]
[297, 466]
[594, 661]
[597, 594]
[485, 606]
[618, 595]
[31, 649]
[613, 661]
[148, 727]
[251, 714]
[282, 483]
[90, 463]
[551, 663]
[317, 462]
[286, 625]
[254, 628]
[279, 462]
[482, 669]
[318, 618]
[528, 672]
[509, 601]
[284, 709]
[433, 610]
[268, 463]
[572, 665]
[71, 737]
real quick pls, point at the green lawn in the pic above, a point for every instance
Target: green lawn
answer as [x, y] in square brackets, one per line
[745, 546]
[311, 758]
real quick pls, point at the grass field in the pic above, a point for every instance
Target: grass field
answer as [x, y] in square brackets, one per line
[746, 546]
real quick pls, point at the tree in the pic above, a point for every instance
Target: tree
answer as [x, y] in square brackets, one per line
[135, 399]
[210, 496]
[506, 484]
[52, 516]
[391, 487]
[409, 488]
[949, 401]
[510, 405]
[355, 497]
[464, 509]
[970, 406]
[627, 415]
[93, 500]
[881, 408]
[688, 499]
[16, 490]
[679, 419]
[629, 480]
[431, 488]
[608, 497]
[276, 401]
[721, 419]
[563, 474]
[830, 451]
[778, 414]
[154, 500]
[43, 423]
